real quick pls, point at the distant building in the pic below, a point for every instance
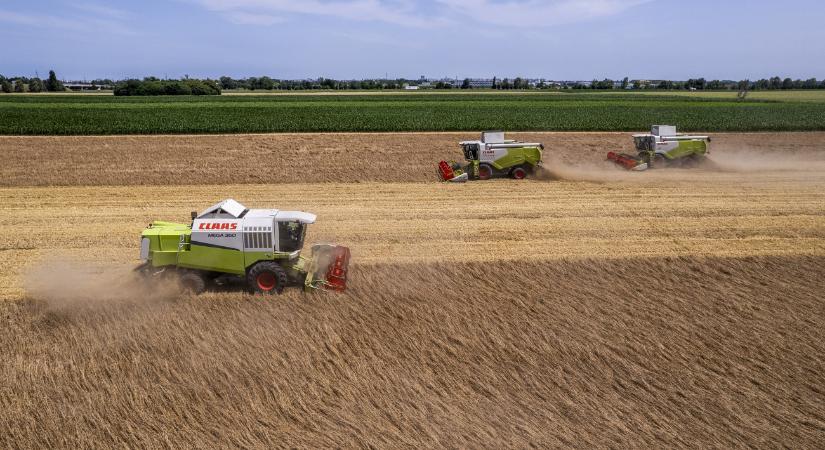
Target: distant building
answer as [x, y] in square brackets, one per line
[82, 87]
[481, 83]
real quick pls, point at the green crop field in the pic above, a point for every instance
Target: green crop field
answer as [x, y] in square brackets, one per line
[82, 115]
[817, 95]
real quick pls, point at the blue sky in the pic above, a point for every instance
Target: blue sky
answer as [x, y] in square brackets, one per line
[555, 39]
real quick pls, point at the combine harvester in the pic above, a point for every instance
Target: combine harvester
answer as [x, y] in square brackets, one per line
[661, 148]
[493, 156]
[229, 241]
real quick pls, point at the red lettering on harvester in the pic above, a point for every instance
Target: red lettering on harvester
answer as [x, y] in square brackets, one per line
[218, 226]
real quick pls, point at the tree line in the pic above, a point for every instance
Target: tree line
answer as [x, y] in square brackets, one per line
[23, 84]
[155, 86]
[518, 83]
[700, 84]
[265, 83]
[191, 86]
[269, 84]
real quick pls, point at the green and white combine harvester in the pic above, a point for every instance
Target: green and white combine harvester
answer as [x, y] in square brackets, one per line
[663, 147]
[229, 242]
[493, 156]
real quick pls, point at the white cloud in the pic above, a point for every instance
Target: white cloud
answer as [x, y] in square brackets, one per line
[245, 18]
[101, 10]
[39, 20]
[399, 12]
[433, 13]
[103, 20]
[537, 13]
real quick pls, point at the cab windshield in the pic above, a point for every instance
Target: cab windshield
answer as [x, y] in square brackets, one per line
[470, 152]
[644, 143]
[290, 236]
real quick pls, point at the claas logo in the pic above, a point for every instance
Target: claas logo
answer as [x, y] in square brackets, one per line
[218, 226]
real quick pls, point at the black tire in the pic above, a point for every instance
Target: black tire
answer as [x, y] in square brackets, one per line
[659, 162]
[192, 282]
[485, 171]
[643, 158]
[267, 277]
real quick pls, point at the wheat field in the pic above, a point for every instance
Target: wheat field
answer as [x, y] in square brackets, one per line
[585, 307]
[334, 157]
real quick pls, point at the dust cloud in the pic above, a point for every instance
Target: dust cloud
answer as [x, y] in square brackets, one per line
[554, 169]
[64, 285]
[750, 160]
[728, 161]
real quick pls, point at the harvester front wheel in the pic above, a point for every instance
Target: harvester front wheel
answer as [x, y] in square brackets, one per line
[485, 172]
[192, 282]
[659, 162]
[267, 277]
[518, 173]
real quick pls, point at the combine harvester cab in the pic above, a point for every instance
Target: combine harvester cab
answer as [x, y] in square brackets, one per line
[261, 247]
[662, 147]
[493, 156]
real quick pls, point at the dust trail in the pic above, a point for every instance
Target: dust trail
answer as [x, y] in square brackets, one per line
[554, 169]
[728, 161]
[65, 285]
[746, 160]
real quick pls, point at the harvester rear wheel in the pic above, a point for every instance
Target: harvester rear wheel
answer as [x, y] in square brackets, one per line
[485, 172]
[192, 282]
[518, 173]
[692, 161]
[267, 277]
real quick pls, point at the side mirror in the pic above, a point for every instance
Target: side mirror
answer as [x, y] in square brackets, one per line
[194, 215]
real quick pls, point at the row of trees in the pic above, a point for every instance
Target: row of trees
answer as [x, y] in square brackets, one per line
[155, 86]
[775, 83]
[267, 84]
[187, 86]
[700, 84]
[23, 84]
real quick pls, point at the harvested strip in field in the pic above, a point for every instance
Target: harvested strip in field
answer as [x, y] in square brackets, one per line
[650, 352]
[416, 222]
